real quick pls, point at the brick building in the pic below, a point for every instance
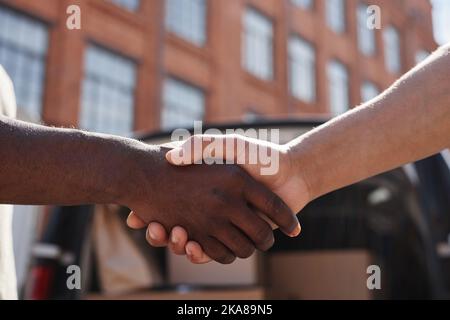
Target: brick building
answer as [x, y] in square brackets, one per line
[149, 64]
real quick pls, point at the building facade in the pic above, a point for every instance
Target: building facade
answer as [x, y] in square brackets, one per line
[142, 65]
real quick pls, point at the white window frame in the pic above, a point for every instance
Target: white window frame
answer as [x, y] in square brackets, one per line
[187, 19]
[131, 5]
[257, 46]
[108, 97]
[23, 53]
[366, 35]
[421, 55]
[392, 49]
[304, 4]
[183, 103]
[302, 69]
[336, 15]
[338, 87]
[369, 90]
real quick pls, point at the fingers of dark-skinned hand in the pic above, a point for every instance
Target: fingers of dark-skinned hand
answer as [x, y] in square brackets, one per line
[272, 206]
[256, 229]
[241, 246]
[196, 254]
[217, 251]
[156, 235]
[178, 240]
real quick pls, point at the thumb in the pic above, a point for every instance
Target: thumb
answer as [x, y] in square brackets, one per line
[175, 157]
[190, 152]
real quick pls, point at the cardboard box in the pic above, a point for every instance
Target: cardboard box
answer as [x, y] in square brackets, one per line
[319, 275]
[254, 293]
[240, 273]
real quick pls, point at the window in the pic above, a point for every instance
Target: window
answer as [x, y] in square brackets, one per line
[132, 5]
[257, 46]
[421, 55]
[369, 91]
[252, 116]
[305, 4]
[302, 69]
[23, 50]
[441, 21]
[392, 49]
[187, 19]
[183, 104]
[338, 87]
[366, 36]
[335, 15]
[108, 92]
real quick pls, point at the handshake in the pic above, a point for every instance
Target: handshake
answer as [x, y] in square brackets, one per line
[208, 201]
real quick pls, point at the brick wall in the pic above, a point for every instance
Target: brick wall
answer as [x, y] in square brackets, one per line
[216, 67]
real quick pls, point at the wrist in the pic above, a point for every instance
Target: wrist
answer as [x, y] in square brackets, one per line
[300, 170]
[142, 172]
[133, 163]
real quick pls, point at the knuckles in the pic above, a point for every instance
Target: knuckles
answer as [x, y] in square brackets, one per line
[245, 252]
[225, 258]
[264, 238]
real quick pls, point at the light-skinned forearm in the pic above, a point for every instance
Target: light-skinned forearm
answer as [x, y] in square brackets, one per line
[42, 165]
[408, 122]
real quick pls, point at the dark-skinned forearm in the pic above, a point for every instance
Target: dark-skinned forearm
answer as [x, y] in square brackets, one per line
[42, 165]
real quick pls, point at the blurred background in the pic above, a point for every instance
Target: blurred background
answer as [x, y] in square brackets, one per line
[143, 67]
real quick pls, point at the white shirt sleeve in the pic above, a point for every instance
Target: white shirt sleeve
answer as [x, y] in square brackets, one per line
[8, 286]
[7, 97]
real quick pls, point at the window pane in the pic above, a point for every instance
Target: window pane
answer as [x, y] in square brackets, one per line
[108, 92]
[366, 36]
[305, 4]
[258, 45]
[338, 88]
[302, 69]
[183, 104]
[23, 50]
[421, 55]
[335, 15]
[132, 5]
[392, 49]
[187, 19]
[369, 91]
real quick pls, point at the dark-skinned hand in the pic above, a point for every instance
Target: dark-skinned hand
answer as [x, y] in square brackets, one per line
[217, 205]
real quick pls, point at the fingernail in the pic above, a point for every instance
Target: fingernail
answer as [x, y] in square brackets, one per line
[188, 252]
[296, 231]
[151, 234]
[177, 150]
[174, 239]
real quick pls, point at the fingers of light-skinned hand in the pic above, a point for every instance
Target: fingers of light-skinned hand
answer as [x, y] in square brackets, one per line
[272, 206]
[134, 222]
[196, 254]
[172, 144]
[256, 229]
[217, 251]
[156, 235]
[193, 150]
[178, 240]
[236, 241]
